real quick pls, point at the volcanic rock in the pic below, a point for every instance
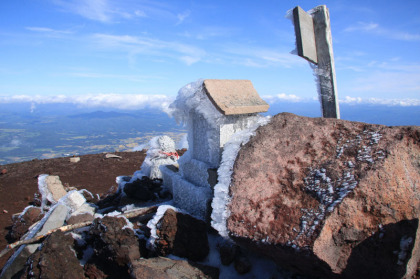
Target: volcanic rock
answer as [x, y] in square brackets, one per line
[84, 213]
[227, 251]
[22, 222]
[165, 268]
[242, 264]
[3, 171]
[182, 235]
[329, 198]
[142, 189]
[56, 259]
[115, 245]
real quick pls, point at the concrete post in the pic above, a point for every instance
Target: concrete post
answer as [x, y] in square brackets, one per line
[314, 43]
[326, 67]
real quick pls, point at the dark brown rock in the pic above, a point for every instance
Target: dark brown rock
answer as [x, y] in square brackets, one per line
[92, 272]
[84, 217]
[56, 259]
[182, 235]
[115, 248]
[164, 268]
[90, 198]
[22, 223]
[242, 264]
[227, 251]
[328, 197]
[143, 189]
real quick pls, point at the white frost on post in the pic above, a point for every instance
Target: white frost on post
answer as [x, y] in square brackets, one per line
[221, 197]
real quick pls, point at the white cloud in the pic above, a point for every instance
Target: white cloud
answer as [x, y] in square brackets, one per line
[389, 83]
[140, 13]
[87, 74]
[188, 54]
[272, 99]
[374, 28]
[282, 98]
[98, 10]
[181, 17]
[107, 11]
[47, 30]
[119, 101]
[379, 101]
[261, 57]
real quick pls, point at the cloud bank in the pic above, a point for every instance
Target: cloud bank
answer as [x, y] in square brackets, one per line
[162, 102]
[118, 101]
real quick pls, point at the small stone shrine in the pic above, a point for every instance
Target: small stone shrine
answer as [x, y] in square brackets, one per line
[213, 110]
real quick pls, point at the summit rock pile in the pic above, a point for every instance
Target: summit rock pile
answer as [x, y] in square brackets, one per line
[333, 198]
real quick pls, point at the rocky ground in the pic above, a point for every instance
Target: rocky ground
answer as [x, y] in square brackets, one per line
[128, 237]
[95, 172]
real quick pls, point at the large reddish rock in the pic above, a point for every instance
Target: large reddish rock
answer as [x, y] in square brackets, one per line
[329, 197]
[182, 235]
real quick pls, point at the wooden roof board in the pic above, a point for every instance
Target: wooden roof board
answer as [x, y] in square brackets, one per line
[234, 96]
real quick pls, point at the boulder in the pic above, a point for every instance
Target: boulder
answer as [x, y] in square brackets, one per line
[115, 245]
[143, 189]
[171, 269]
[329, 197]
[56, 259]
[182, 235]
[23, 221]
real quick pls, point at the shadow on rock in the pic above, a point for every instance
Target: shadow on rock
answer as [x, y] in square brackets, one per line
[385, 254]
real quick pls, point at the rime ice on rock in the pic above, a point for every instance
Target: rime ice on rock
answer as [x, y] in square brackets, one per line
[213, 111]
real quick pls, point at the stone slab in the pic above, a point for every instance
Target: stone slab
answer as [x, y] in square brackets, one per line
[305, 35]
[74, 200]
[55, 187]
[234, 96]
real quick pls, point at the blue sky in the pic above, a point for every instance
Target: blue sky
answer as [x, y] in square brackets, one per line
[132, 53]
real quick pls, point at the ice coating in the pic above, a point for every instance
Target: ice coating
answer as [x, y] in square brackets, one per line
[161, 152]
[153, 223]
[43, 189]
[221, 197]
[192, 97]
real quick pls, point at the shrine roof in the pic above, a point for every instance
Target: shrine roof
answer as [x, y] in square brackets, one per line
[234, 96]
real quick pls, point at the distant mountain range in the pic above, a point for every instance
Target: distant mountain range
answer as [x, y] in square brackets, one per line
[52, 130]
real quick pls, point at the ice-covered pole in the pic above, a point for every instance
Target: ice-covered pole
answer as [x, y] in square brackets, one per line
[314, 43]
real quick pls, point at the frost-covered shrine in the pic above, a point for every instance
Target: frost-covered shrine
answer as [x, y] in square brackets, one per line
[213, 111]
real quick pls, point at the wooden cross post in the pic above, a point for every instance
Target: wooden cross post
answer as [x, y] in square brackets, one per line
[314, 43]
